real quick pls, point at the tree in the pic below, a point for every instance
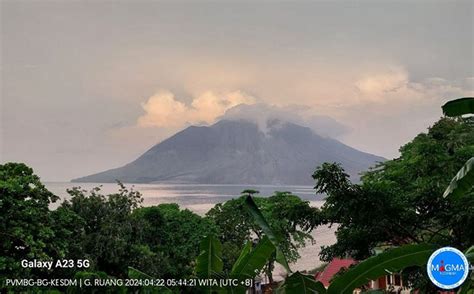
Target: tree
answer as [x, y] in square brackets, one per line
[332, 180]
[410, 256]
[249, 192]
[150, 226]
[26, 227]
[105, 228]
[296, 283]
[400, 201]
[251, 261]
[174, 234]
[290, 217]
[234, 228]
[114, 233]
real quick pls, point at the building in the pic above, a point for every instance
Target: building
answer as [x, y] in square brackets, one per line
[391, 282]
[332, 269]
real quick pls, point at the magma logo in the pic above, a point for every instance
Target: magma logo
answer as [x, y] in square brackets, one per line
[447, 268]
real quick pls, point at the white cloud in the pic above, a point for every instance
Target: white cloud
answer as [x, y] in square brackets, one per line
[265, 114]
[164, 110]
[391, 108]
[394, 87]
[375, 86]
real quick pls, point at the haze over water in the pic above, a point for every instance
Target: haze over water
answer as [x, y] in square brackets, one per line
[196, 197]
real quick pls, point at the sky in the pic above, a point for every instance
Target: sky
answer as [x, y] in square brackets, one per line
[90, 85]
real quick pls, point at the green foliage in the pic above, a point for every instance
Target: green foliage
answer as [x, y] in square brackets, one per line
[105, 228]
[114, 233]
[248, 265]
[111, 231]
[273, 237]
[134, 273]
[235, 228]
[462, 182]
[173, 235]
[459, 106]
[398, 204]
[288, 218]
[393, 260]
[249, 192]
[250, 262]
[209, 262]
[243, 253]
[468, 286]
[470, 253]
[406, 194]
[148, 252]
[299, 283]
[401, 199]
[296, 283]
[26, 226]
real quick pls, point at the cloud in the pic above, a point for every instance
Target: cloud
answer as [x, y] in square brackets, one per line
[164, 110]
[374, 87]
[376, 109]
[395, 87]
[264, 114]
[391, 108]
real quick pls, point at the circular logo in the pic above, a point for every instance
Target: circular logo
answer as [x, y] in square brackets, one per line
[447, 268]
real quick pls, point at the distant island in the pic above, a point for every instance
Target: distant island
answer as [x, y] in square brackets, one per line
[238, 152]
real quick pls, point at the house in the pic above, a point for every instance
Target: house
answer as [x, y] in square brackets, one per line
[332, 269]
[392, 282]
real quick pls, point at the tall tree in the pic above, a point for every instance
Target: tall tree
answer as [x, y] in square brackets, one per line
[105, 227]
[25, 224]
[400, 201]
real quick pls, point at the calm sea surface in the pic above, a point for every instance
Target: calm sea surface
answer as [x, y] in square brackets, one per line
[194, 197]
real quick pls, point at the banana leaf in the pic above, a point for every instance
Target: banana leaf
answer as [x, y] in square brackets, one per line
[469, 253]
[459, 106]
[251, 262]
[274, 238]
[467, 287]
[209, 262]
[463, 181]
[393, 260]
[298, 283]
[246, 250]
